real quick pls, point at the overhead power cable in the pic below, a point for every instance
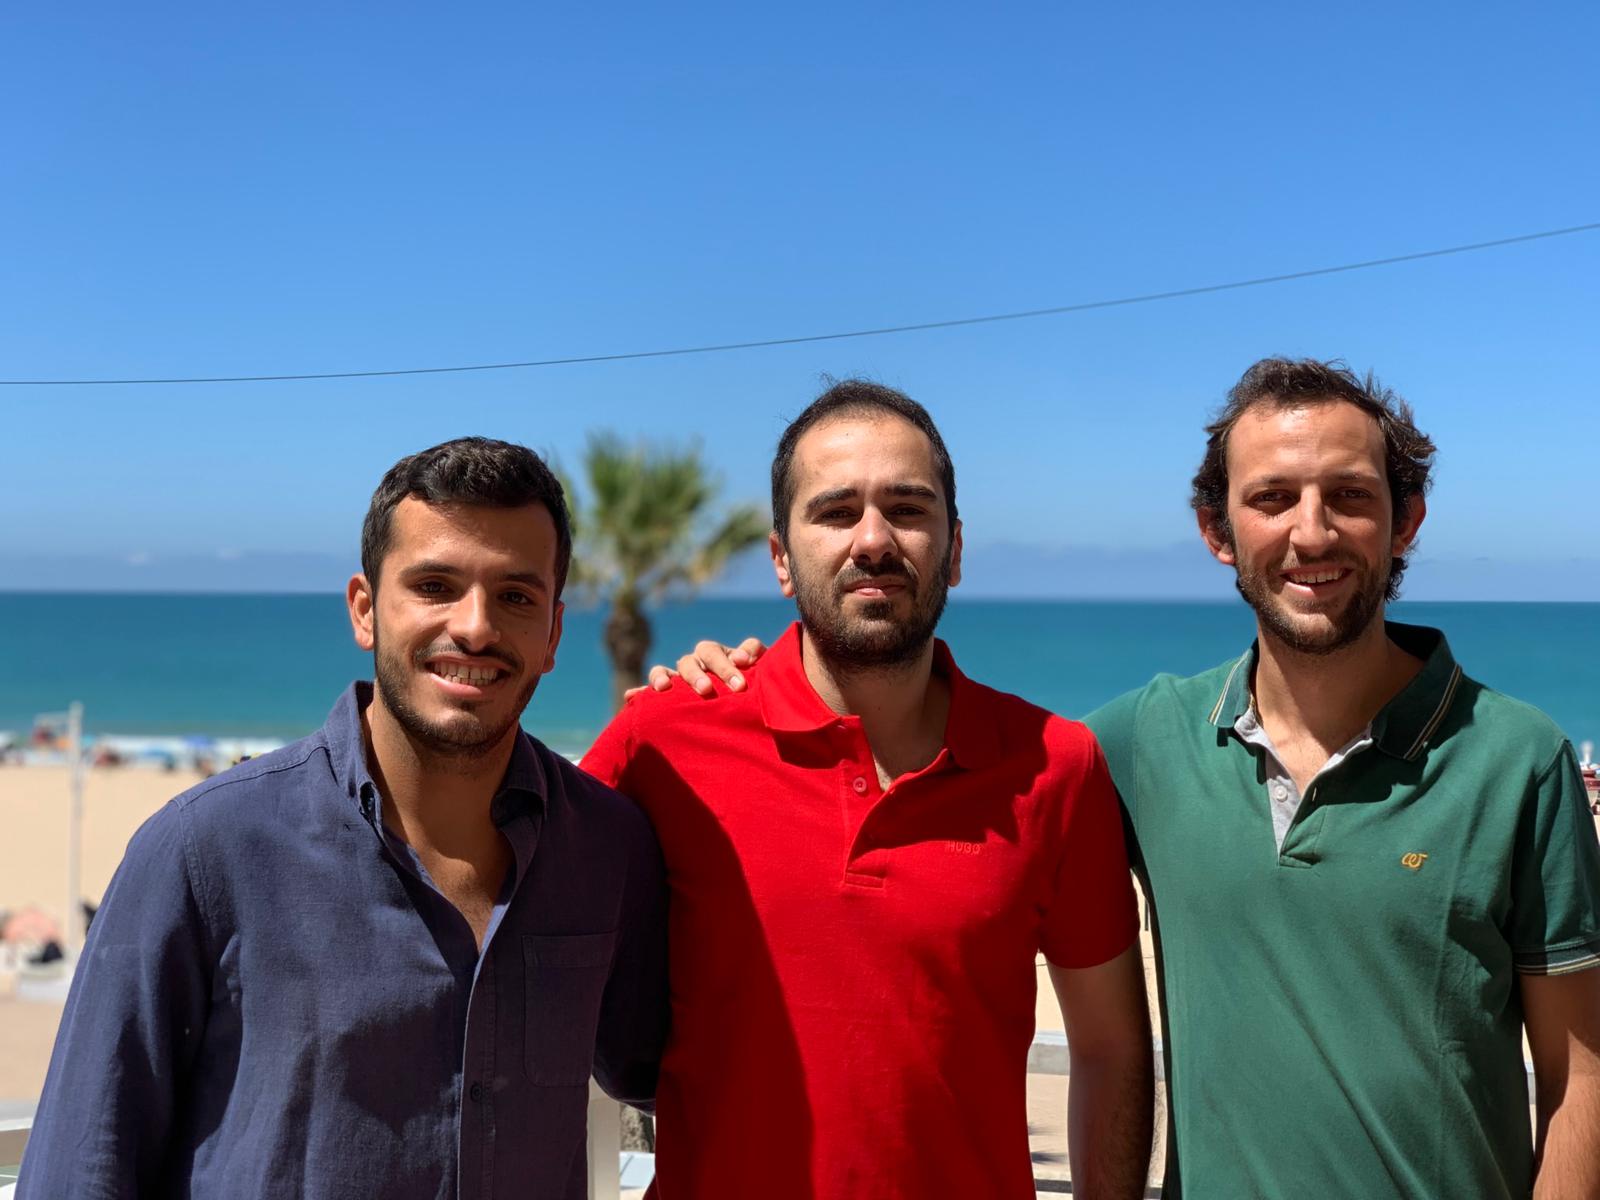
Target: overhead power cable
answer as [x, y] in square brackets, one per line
[721, 347]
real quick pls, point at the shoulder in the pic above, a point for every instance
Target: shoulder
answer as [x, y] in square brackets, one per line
[1167, 698]
[258, 788]
[600, 808]
[666, 719]
[1511, 726]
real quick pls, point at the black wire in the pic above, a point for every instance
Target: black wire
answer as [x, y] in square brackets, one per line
[1145, 298]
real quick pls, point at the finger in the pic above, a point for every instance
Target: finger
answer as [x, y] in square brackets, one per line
[747, 651]
[717, 662]
[660, 679]
[694, 674]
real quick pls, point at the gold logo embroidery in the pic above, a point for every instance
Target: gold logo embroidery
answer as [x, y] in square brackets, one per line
[1413, 861]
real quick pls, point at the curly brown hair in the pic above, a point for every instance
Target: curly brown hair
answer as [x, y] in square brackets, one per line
[1289, 383]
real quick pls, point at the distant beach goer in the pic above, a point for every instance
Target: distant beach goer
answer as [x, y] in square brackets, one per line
[34, 933]
[868, 851]
[385, 960]
[1369, 872]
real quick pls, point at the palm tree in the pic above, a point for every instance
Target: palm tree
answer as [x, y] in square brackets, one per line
[645, 531]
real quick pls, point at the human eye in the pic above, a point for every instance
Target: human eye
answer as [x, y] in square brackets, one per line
[429, 587]
[1269, 498]
[519, 599]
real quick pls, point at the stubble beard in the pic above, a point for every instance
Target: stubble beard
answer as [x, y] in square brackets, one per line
[872, 641]
[1346, 625]
[465, 736]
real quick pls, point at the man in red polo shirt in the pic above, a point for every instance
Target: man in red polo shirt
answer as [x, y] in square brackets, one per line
[866, 851]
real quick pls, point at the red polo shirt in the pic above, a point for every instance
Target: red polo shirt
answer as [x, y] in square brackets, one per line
[852, 970]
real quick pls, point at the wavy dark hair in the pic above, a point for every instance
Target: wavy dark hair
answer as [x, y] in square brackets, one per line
[474, 471]
[1289, 383]
[851, 398]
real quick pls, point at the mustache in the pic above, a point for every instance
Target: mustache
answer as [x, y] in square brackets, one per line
[853, 575]
[509, 661]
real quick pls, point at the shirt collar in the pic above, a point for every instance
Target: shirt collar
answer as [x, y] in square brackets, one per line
[789, 704]
[523, 785]
[1404, 725]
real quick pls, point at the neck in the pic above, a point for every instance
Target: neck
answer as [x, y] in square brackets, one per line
[902, 708]
[1330, 697]
[433, 799]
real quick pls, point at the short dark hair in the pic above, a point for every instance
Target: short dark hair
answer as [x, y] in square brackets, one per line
[1290, 383]
[475, 471]
[850, 398]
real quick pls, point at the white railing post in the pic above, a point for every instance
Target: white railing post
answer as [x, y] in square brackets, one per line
[605, 1145]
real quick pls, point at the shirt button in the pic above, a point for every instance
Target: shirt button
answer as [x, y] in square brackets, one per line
[1279, 792]
[476, 1092]
[860, 785]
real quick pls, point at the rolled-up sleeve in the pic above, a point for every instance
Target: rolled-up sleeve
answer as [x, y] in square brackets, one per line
[133, 1022]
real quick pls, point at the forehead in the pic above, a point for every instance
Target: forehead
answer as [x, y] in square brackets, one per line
[877, 445]
[1304, 439]
[474, 536]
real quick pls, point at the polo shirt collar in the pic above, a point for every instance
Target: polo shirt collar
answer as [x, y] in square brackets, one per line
[789, 704]
[523, 787]
[1404, 725]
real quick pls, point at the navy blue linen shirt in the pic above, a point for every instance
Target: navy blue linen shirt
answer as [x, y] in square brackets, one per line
[275, 1001]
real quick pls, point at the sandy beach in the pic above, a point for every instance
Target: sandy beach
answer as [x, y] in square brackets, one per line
[34, 803]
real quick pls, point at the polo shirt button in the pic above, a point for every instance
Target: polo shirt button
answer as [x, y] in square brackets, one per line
[476, 1092]
[1279, 792]
[860, 785]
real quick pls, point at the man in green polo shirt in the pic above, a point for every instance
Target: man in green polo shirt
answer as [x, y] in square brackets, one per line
[1369, 872]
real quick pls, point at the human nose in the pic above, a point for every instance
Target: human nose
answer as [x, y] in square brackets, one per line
[471, 624]
[874, 538]
[1313, 533]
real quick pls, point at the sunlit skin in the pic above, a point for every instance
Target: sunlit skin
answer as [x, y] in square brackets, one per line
[870, 551]
[462, 589]
[1312, 535]
[1307, 498]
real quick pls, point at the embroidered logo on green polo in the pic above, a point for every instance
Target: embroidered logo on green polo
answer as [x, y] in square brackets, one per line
[1413, 861]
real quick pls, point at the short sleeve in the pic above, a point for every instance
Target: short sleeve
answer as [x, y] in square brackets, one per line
[607, 759]
[1114, 726]
[1555, 886]
[1092, 916]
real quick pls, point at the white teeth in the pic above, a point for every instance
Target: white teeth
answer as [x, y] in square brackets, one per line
[1317, 577]
[460, 674]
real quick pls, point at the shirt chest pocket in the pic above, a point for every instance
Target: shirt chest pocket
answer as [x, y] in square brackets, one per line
[564, 978]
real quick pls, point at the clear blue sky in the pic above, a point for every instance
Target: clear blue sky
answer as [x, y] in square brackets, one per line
[203, 189]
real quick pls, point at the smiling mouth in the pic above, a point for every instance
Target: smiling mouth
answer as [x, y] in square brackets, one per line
[454, 672]
[1320, 577]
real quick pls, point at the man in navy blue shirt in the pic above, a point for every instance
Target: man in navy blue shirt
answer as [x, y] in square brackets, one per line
[383, 961]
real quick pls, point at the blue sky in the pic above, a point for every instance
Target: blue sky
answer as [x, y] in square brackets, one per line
[242, 189]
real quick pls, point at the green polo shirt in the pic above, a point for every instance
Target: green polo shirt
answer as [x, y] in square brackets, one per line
[1341, 1017]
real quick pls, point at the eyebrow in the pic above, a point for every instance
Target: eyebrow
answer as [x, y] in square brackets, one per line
[438, 567]
[833, 495]
[1279, 480]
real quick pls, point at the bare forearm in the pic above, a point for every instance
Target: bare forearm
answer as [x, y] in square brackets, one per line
[1109, 1103]
[1569, 1126]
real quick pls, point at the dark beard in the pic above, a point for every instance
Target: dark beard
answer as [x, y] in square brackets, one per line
[1348, 624]
[873, 641]
[465, 737]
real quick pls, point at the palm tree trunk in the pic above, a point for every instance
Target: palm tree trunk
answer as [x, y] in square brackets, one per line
[627, 638]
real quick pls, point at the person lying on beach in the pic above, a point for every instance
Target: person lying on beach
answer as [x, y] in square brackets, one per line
[868, 851]
[1369, 873]
[34, 933]
[384, 961]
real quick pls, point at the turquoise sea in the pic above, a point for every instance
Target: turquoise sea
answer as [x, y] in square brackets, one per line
[230, 665]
